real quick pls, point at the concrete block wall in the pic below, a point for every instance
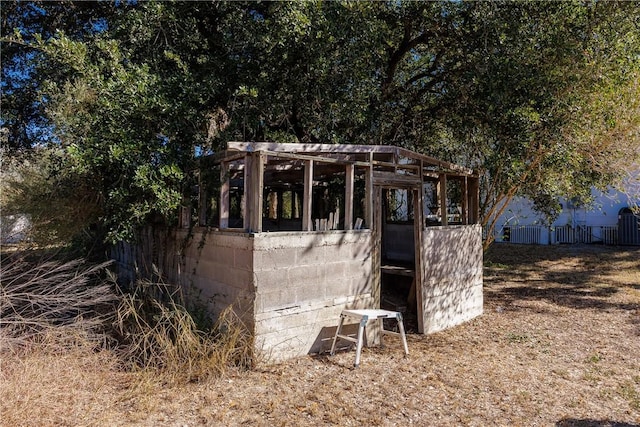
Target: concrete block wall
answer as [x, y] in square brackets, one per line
[289, 288]
[214, 267]
[451, 276]
[218, 265]
[302, 283]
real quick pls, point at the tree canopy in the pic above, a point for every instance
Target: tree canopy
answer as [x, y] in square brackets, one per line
[541, 98]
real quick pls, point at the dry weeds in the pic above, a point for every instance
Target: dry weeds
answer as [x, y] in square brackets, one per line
[559, 344]
[50, 297]
[161, 338]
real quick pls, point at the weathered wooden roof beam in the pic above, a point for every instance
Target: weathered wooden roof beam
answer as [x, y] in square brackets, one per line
[321, 148]
[322, 159]
[313, 150]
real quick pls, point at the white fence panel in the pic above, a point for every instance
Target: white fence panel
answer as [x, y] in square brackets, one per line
[529, 234]
[532, 234]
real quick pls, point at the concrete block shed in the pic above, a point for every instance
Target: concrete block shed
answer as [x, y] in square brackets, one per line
[292, 234]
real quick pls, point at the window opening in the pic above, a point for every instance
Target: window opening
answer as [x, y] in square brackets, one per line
[209, 197]
[454, 200]
[399, 205]
[431, 203]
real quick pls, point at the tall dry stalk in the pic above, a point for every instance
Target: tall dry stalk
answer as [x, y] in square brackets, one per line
[158, 334]
[45, 298]
[52, 305]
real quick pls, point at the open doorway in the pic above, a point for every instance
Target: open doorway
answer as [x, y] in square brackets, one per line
[398, 261]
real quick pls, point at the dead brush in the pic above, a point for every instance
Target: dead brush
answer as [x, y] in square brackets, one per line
[160, 336]
[50, 305]
[44, 300]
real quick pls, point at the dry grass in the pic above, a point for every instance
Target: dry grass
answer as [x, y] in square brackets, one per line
[74, 349]
[52, 386]
[559, 344]
[49, 297]
[160, 337]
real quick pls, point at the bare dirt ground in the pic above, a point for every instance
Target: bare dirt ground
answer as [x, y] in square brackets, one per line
[558, 344]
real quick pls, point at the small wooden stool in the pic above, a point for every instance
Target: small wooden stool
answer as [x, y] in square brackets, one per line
[365, 316]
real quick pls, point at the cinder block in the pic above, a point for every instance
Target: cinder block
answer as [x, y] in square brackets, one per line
[291, 287]
[355, 287]
[338, 289]
[357, 268]
[347, 251]
[272, 348]
[280, 324]
[358, 237]
[304, 275]
[241, 279]
[312, 255]
[360, 285]
[208, 268]
[226, 274]
[292, 342]
[339, 253]
[274, 259]
[361, 253]
[218, 254]
[243, 259]
[446, 285]
[276, 300]
[210, 287]
[270, 280]
[354, 301]
[311, 293]
[229, 240]
[271, 241]
[331, 273]
[214, 295]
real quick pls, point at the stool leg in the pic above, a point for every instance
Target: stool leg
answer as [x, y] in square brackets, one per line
[402, 335]
[363, 323]
[335, 337]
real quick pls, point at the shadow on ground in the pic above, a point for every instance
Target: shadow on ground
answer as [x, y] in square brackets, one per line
[580, 277]
[573, 422]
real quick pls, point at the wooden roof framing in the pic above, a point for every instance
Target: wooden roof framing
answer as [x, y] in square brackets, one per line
[329, 152]
[282, 165]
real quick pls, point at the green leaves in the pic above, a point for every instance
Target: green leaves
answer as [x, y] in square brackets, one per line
[542, 99]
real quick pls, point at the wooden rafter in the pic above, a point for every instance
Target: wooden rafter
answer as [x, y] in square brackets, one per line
[320, 149]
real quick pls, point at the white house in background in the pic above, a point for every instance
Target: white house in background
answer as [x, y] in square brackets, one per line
[608, 220]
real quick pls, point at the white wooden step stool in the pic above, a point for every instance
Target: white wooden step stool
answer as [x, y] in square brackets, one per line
[365, 316]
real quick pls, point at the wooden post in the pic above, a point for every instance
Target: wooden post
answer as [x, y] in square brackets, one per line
[202, 202]
[247, 198]
[307, 225]
[280, 203]
[224, 195]
[418, 225]
[465, 201]
[294, 204]
[369, 196]
[255, 203]
[348, 197]
[442, 193]
[377, 247]
[474, 200]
